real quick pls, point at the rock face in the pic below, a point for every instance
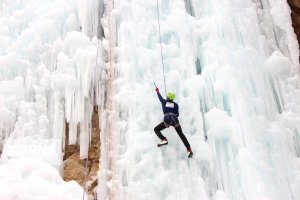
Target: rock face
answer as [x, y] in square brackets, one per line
[74, 168]
[295, 7]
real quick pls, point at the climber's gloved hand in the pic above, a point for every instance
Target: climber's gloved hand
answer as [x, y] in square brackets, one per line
[156, 89]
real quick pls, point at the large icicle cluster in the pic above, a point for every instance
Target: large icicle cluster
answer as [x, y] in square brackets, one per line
[51, 67]
[48, 70]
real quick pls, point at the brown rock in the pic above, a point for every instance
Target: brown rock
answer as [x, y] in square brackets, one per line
[295, 7]
[74, 168]
[294, 3]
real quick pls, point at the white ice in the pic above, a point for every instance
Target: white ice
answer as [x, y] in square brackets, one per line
[233, 64]
[50, 61]
[24, 179]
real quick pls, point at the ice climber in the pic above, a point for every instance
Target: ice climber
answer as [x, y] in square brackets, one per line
[170, 109]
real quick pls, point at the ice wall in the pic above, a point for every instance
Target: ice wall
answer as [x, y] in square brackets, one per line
[142, 171]
[232, 64]
[51, 67]
[254, 77]
[234, 67]
[50, 64]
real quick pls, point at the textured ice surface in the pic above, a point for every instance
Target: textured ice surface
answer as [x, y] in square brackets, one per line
[234, 68]
[47, 71]
[24, 179]
[233, 64]
[50, 62]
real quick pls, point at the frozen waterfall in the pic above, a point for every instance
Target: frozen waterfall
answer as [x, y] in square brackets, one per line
[233, 64]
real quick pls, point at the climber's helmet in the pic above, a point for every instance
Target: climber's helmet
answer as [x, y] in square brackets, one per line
[171, 96]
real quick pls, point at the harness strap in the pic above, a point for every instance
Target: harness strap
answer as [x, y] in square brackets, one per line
[173, 121]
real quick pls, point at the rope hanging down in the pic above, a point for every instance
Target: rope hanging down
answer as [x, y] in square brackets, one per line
[161, 51]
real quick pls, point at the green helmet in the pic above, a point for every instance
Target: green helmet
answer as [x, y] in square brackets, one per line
[171, 96]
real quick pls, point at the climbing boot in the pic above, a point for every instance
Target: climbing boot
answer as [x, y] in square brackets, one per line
[190, 152]
[163, 142]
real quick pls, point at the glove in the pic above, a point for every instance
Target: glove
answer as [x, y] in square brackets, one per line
[156, 89]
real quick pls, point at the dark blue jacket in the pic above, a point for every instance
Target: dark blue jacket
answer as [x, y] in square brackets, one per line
[168, 106]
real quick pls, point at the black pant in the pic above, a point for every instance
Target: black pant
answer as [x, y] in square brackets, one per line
[178, 129]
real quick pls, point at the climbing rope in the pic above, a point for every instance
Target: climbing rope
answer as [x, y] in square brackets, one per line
[161, 50]
[86, 161]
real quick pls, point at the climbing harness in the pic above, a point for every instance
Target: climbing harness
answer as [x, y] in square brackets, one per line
[86, 161]
[170, 119]
[161, 50]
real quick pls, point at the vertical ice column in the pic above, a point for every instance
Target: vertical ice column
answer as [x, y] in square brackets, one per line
[247, 53]
[108, 188]
[90, 14]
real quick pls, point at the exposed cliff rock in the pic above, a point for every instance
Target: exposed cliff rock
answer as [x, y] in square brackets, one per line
[74, 168]
[295, 7]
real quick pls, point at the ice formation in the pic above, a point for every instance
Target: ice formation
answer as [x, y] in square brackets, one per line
[233, 64]
[234, 67]
[50, 64]
[27, 179]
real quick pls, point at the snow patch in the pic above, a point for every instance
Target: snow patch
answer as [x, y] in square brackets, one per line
[26, 179]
